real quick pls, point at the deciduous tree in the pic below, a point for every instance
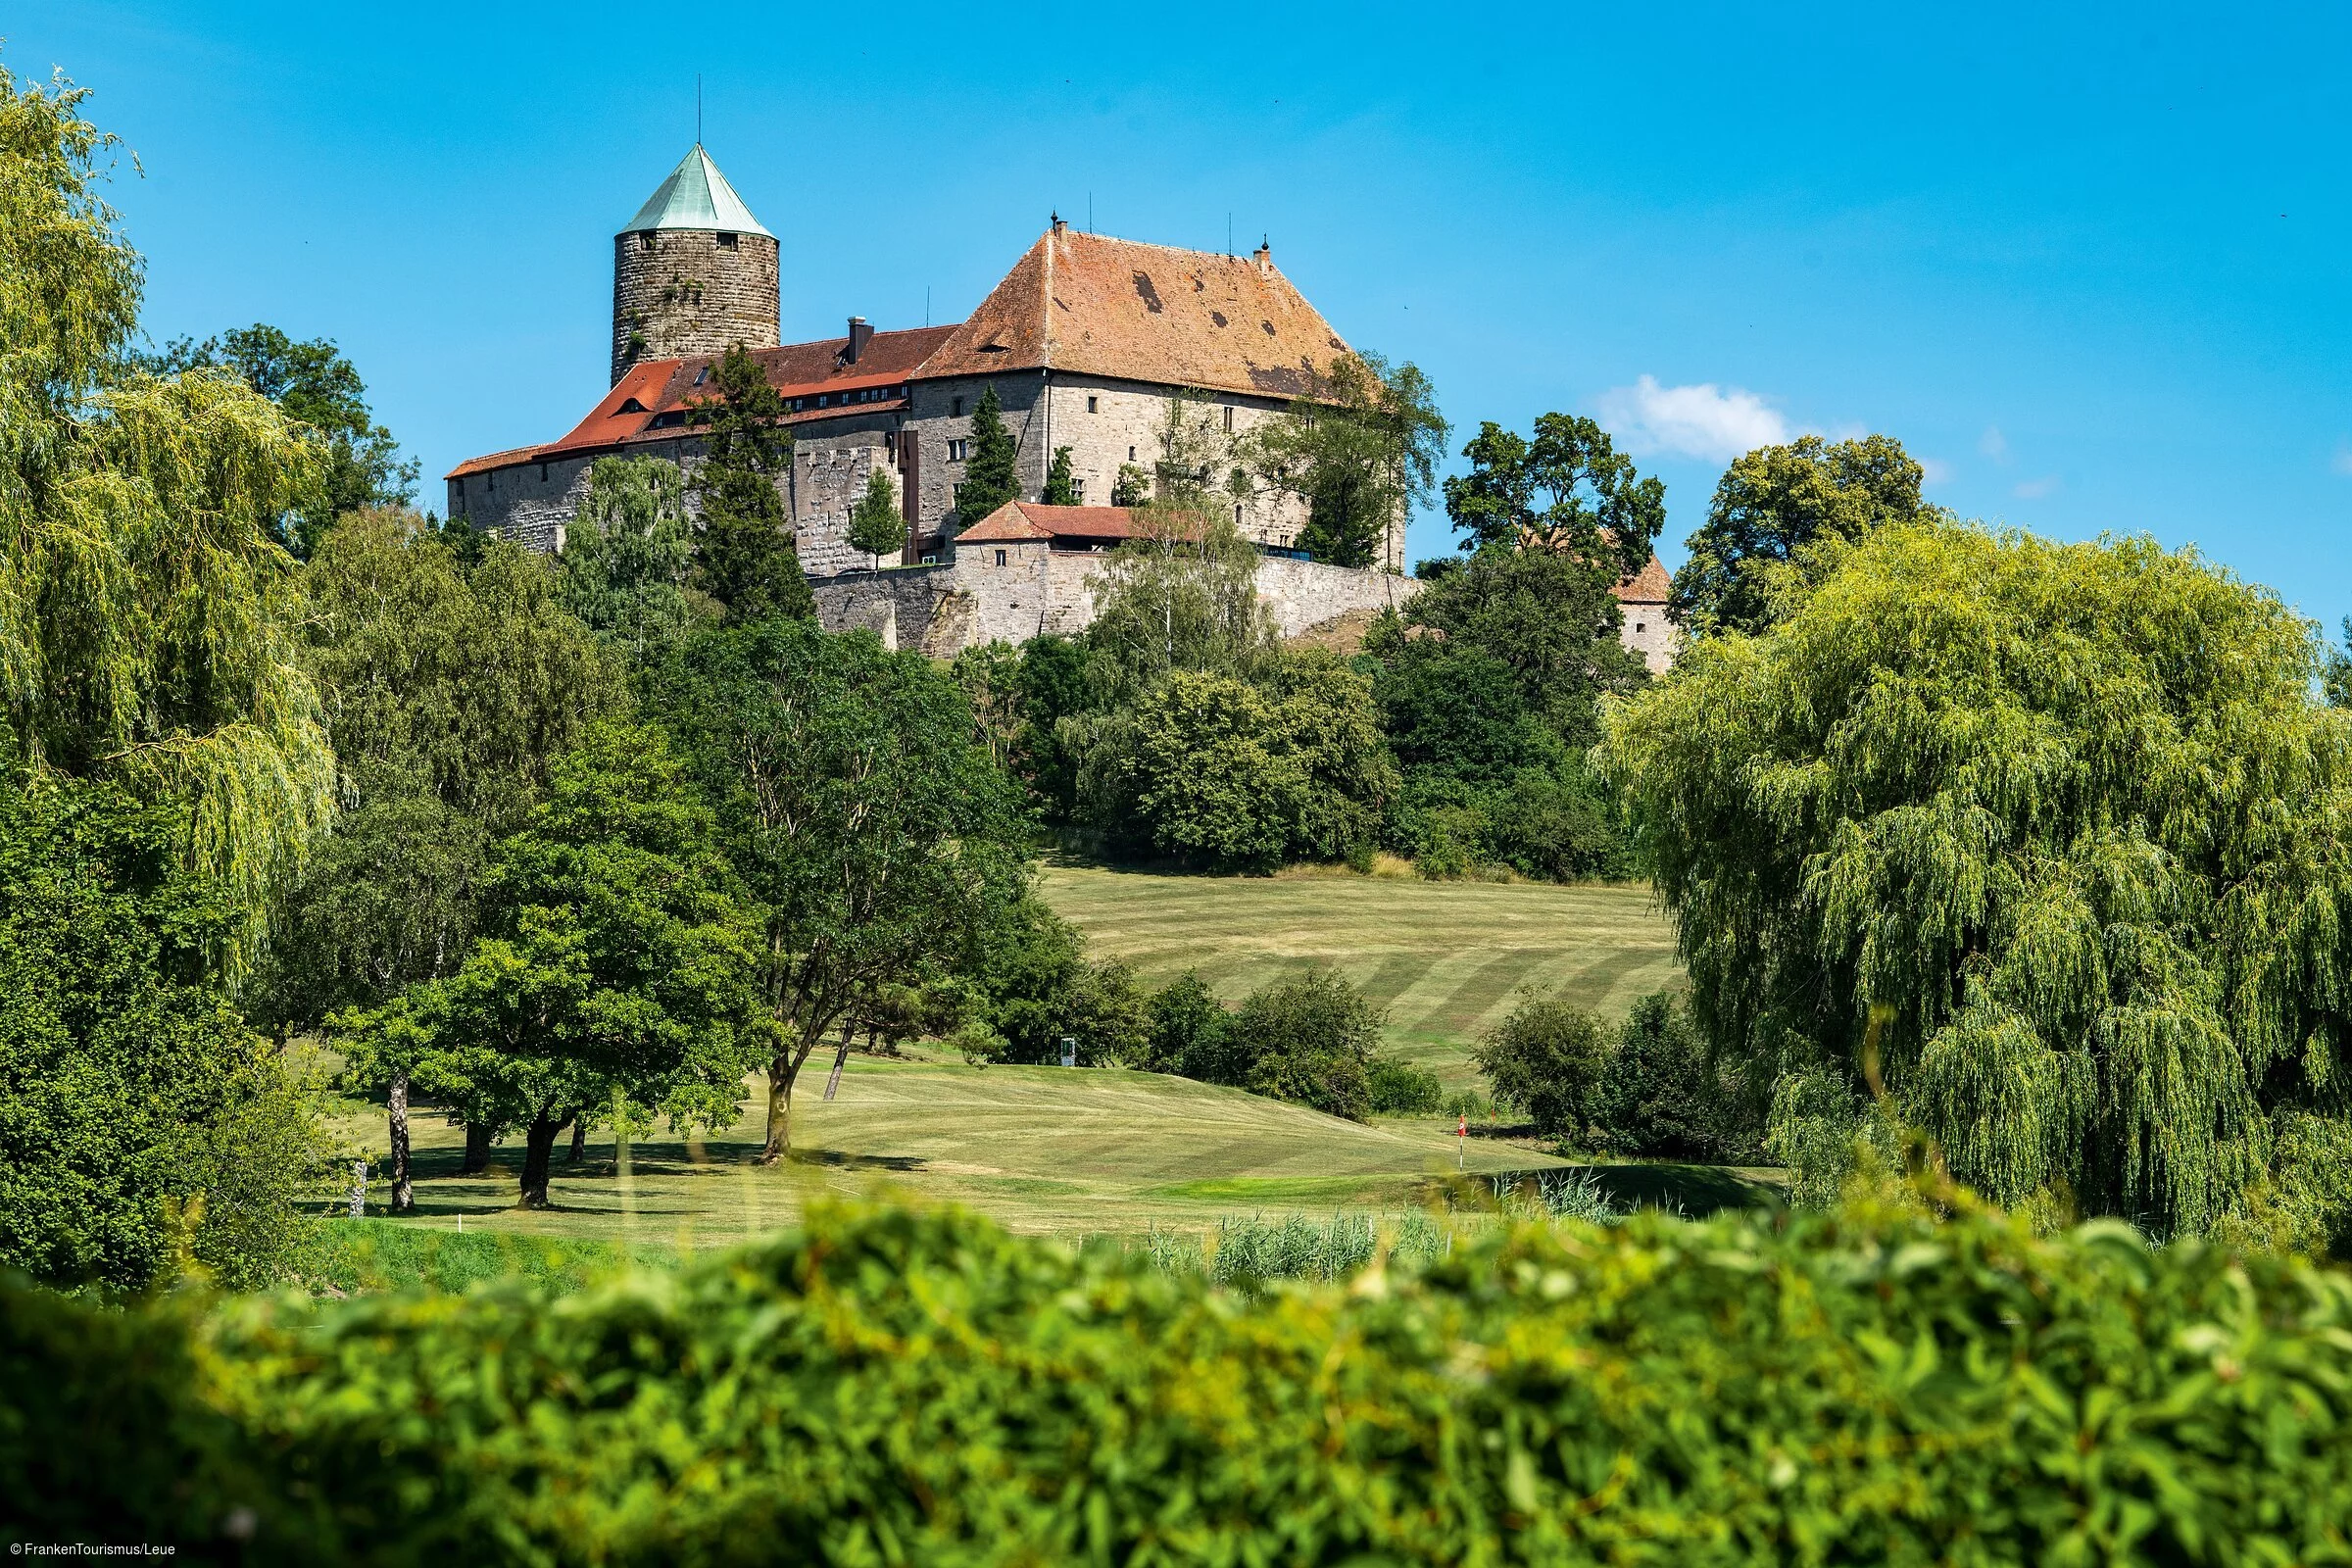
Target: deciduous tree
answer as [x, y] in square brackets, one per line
[861, 809]
[142, 630]
[1772, 507]
[628, 556]
[1359, 449]
[615, 964]
[2046, 842]
[315, 384]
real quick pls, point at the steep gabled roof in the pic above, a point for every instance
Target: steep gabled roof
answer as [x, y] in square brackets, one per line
[1094, 305]
[1648, 586]
[696, 195]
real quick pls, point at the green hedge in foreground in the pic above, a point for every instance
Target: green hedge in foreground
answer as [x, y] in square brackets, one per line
[915, 1386]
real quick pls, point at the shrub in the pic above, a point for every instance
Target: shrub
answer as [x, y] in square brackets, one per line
[1661, 1096]
[894, 1385]
[1547, 1059]
[1308, 1039]
[1188, 1033]
[1398, 1088]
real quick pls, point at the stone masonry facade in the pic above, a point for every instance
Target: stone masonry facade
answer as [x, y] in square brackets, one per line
[1090, 342]
[679, 291]
[941, 609]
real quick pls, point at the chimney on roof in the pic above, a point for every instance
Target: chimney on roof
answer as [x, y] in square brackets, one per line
[1059, 224]
[859, 332]
[1264, 256]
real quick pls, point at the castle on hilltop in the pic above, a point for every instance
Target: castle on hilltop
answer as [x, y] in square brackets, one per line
[1086, 341]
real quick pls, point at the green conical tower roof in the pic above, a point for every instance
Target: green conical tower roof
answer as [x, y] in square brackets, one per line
[696, 195]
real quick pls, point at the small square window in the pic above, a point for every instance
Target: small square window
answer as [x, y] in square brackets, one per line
[645, 239]
[1000, 558]
[956, 450]
[1090, 405]
[726, 242]
[1640, 628]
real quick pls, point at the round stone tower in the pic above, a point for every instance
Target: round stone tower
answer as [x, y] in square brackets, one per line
[694, 271]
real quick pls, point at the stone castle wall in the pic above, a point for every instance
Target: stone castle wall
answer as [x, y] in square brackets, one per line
[943, 609]
[686, 293]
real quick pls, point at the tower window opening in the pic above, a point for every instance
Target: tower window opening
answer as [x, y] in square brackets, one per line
[645, 239]
[726, 242]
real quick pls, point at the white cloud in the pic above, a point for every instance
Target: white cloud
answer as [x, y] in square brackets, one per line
[1934, 470]
[1704, 420]
[1994, 444]
[2035, 489]
[2342, 463]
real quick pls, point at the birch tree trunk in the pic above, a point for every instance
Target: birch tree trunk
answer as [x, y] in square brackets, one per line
[396, 1117]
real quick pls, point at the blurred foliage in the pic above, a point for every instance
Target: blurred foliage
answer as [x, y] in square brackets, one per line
[896, 1385]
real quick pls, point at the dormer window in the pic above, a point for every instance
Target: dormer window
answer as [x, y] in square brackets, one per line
[702, 375]
[631, 406]
[726, 242]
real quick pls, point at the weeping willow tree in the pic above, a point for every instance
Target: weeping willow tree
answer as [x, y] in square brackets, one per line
[2066, 819]
[142, 627]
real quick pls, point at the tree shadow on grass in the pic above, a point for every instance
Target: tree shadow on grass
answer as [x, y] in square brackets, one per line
[1693, 1192]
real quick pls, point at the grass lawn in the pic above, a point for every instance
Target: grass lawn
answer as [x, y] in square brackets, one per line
[1444, 957]
[1042, 1149]
[1107, 1151]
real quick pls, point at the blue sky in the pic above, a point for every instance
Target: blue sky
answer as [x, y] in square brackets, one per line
[2090, 263]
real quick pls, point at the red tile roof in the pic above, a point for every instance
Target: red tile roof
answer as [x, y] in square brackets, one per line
[1017, 520]
[1648, 586]
[657, 387]
[492, 460]
[1119, 307]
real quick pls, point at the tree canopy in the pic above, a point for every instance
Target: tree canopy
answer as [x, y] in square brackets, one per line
[627, 558]
[616, 965]
[1360, 448]
[315, 384]
[867, 818]
[2045, 840]
[139, 1117]
[142, 638]
[1773, 509]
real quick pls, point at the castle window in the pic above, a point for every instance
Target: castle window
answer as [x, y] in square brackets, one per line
[956, 450]
[726, 242]
[1228, 416]
[1000, 558]
[1090, 405]
[956, 407]
[1078, 487]
[1131, 454]
[1638, 628]
[543, 473]
[645, 239]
